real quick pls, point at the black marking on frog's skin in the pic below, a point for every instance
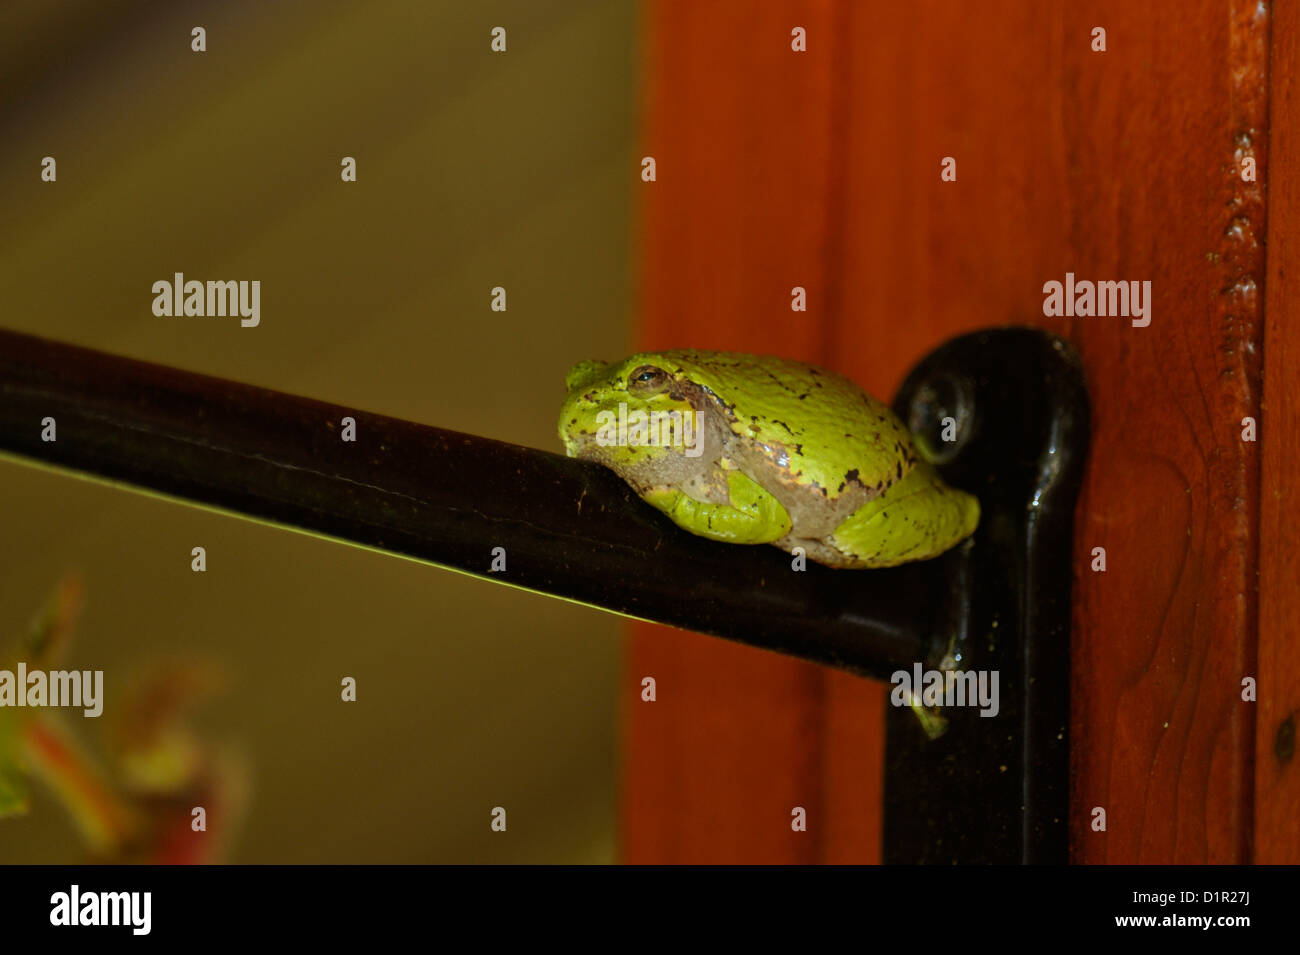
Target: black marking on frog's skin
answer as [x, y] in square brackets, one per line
[729, 408]
[804, 395]
[900, 470]
[798, 449]
[779, 383]
[784, 425]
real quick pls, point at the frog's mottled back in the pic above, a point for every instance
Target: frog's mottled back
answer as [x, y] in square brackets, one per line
[817, 427]
[787, 453]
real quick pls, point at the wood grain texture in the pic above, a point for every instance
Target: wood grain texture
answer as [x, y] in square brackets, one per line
[1162, 740]
[1115, 165]
[1277, 775]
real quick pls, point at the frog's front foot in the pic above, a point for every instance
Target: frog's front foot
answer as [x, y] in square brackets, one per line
[751, 515]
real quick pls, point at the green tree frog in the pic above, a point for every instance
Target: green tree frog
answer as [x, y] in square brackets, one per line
[760, 450]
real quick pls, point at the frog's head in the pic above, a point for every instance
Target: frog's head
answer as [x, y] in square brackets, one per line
[630, 415]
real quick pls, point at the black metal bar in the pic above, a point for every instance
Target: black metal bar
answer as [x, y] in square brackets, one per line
[569, 528]
[989, 790]
[995, 789]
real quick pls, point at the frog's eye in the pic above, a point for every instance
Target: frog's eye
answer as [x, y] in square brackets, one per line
[647, 379]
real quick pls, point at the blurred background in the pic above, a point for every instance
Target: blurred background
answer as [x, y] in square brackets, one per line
[475, 169]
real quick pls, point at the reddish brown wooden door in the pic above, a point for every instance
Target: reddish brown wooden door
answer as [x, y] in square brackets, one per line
[821, 169]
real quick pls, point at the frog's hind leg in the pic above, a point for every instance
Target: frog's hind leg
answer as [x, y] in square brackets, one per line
[917, 518]
[750, 515]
